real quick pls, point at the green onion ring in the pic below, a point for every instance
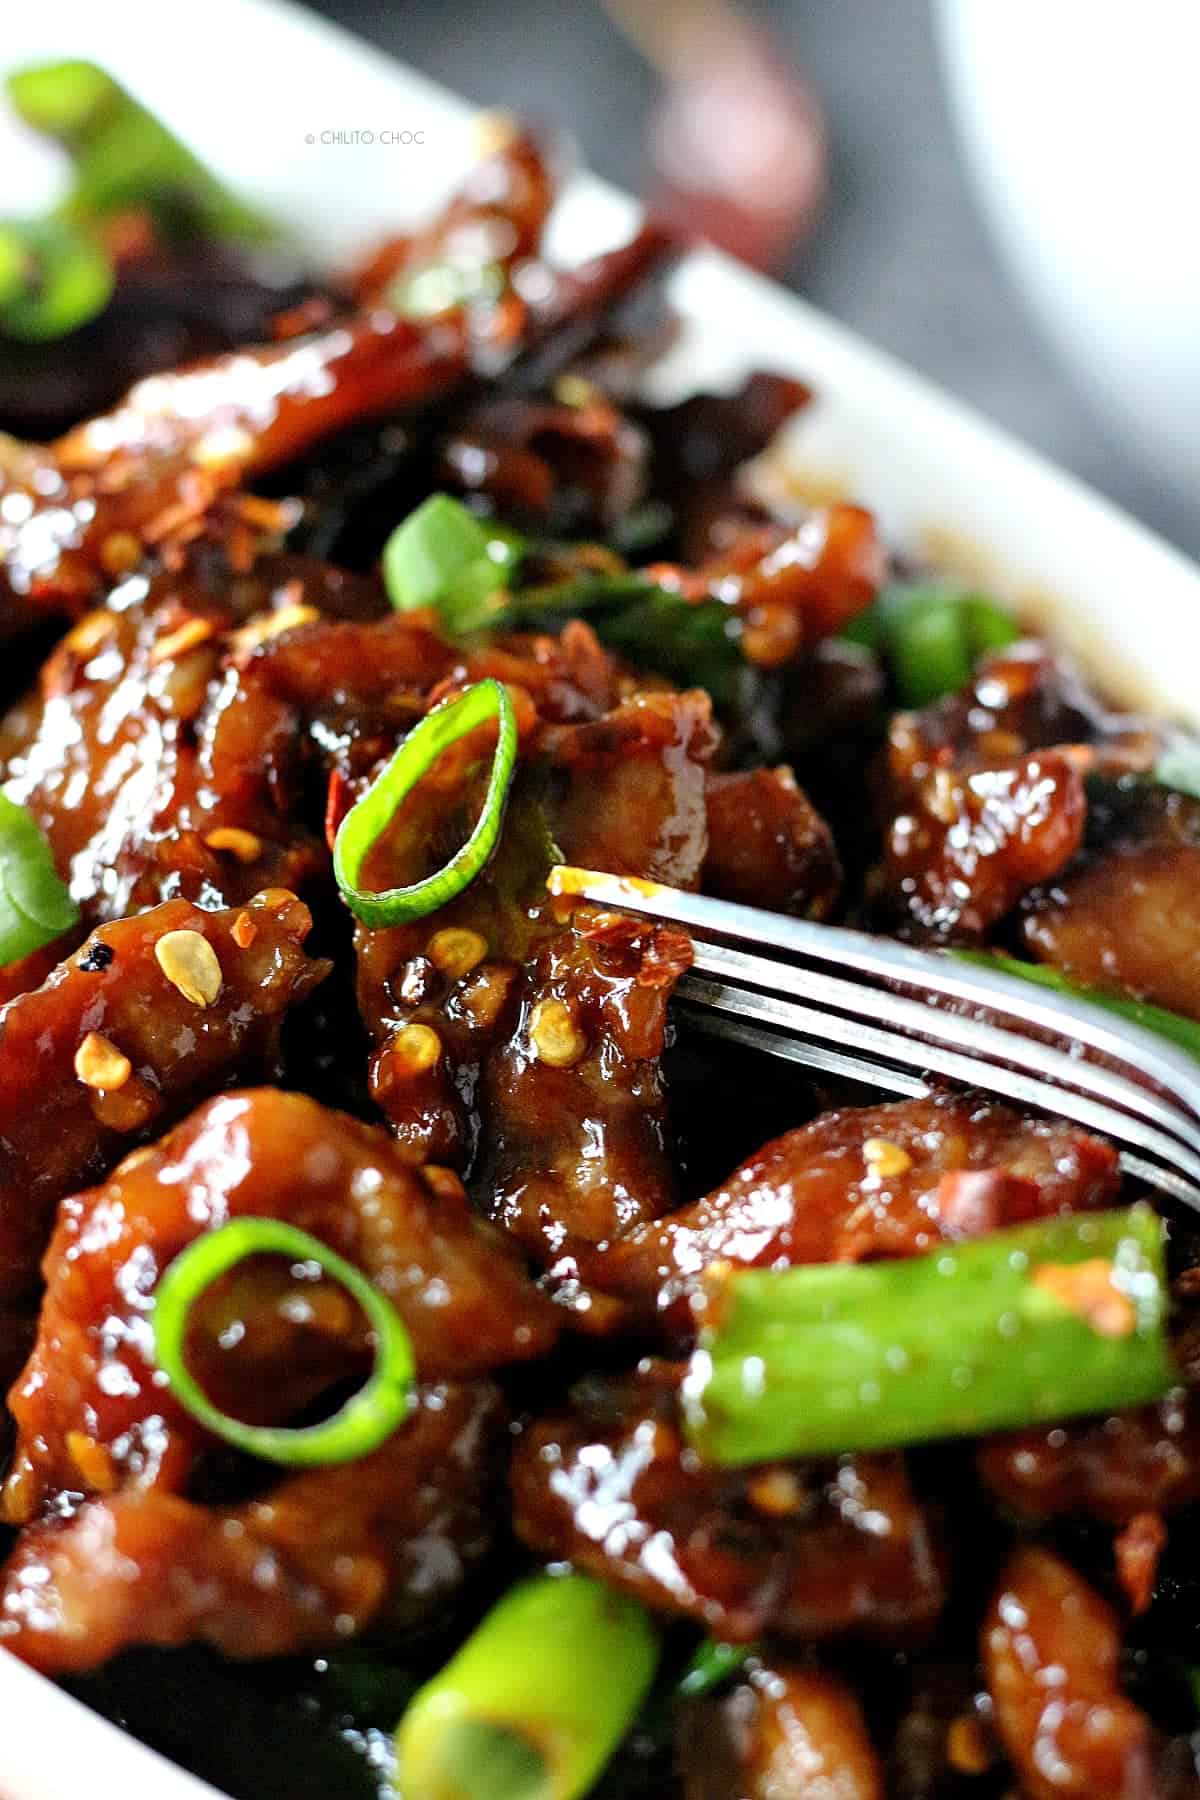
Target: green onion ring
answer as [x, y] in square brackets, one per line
[369, 817]
[367, 1418]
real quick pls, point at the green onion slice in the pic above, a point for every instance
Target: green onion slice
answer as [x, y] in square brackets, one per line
[35, 906]
[713, 1664]
[537, 1699]
[369, 817]
[357, 1428]
[442, 556]
[53, 278]
[931, 636]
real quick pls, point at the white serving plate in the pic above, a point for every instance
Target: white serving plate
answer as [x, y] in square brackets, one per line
[249, 91]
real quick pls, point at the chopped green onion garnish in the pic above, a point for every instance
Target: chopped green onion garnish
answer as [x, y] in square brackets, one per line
[35, 906]
[370, 817]
[1028, 1325]
[123, 156]
[931, 637]
[537, 1699]
[357, 1428]
[443, 556]
[713, 1664]
[1179, 767]
[53, 278]
[1170, 1025]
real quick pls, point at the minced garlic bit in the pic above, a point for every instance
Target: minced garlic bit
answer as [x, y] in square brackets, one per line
[885, 1159]
[93, 1461]
[244, 931]
[1087, 1288]
[967, 1747]
[272, 624]
[456, 951]
[90, 632]
[444, 1183]
[176, 643]
[120, 552]
[776, 1493]
[554, 1036]
[245, 845]
[189, 963]
[99, 1064]
[416, 1047]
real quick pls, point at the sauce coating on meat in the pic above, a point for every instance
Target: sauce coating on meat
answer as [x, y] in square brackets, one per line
[868, 1181]
[790, 1732]
[809, 1551]
[92, 1383]
[386, 1541]
[112, 1047]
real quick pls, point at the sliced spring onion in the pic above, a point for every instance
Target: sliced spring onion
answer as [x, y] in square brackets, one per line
[35, 906]
[537, 1699]
[931, 636]
[367, 1418]
[124, 157]
[1170, 1025]
[1028, 1325]
[370, 816]
[53, 278]
[442, 556]
[1179, 767]
[713, 1664]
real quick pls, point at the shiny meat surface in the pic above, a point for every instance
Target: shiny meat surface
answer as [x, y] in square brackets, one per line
[112, 1048]
[1110, 1469]
[809, 1551]
[91, 1415]
[385, 1541]
[768, 845]
[1050, 1648]
[791, 1732]
[872, 1181]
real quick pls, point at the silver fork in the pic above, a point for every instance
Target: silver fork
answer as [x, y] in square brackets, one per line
[891, 1015]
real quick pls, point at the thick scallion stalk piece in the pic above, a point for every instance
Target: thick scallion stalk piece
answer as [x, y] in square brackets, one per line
[1179, 767]
[713, 1664]
[931, 636]
[124, 157]
[537, 1699]
[53, 278]
[1032, 1324]
[1172, 1026]
[358, 1427]
[442, 556]
[35, 906]
[370, 816]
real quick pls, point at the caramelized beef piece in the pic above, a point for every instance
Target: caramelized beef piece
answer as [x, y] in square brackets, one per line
[792, 586]
[507, 1025]
[1051, 1650]
[808, 1551]
[966, 845]
[580, 466]
[1126, 915]
[57, 1127]
[768, 845]
[1111, 1469]
[1022, 699]
[866, 1181]
[91, 1413]
[383, 1541]
[789, 1732]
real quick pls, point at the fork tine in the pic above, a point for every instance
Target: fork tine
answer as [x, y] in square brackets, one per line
[976, 1036]
[739, 1030]
[1143, 1057]
[884, 1024]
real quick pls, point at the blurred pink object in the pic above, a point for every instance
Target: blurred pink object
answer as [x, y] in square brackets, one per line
[737, 142]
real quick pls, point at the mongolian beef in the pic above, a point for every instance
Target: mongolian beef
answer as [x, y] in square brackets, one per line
[366, 1217]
